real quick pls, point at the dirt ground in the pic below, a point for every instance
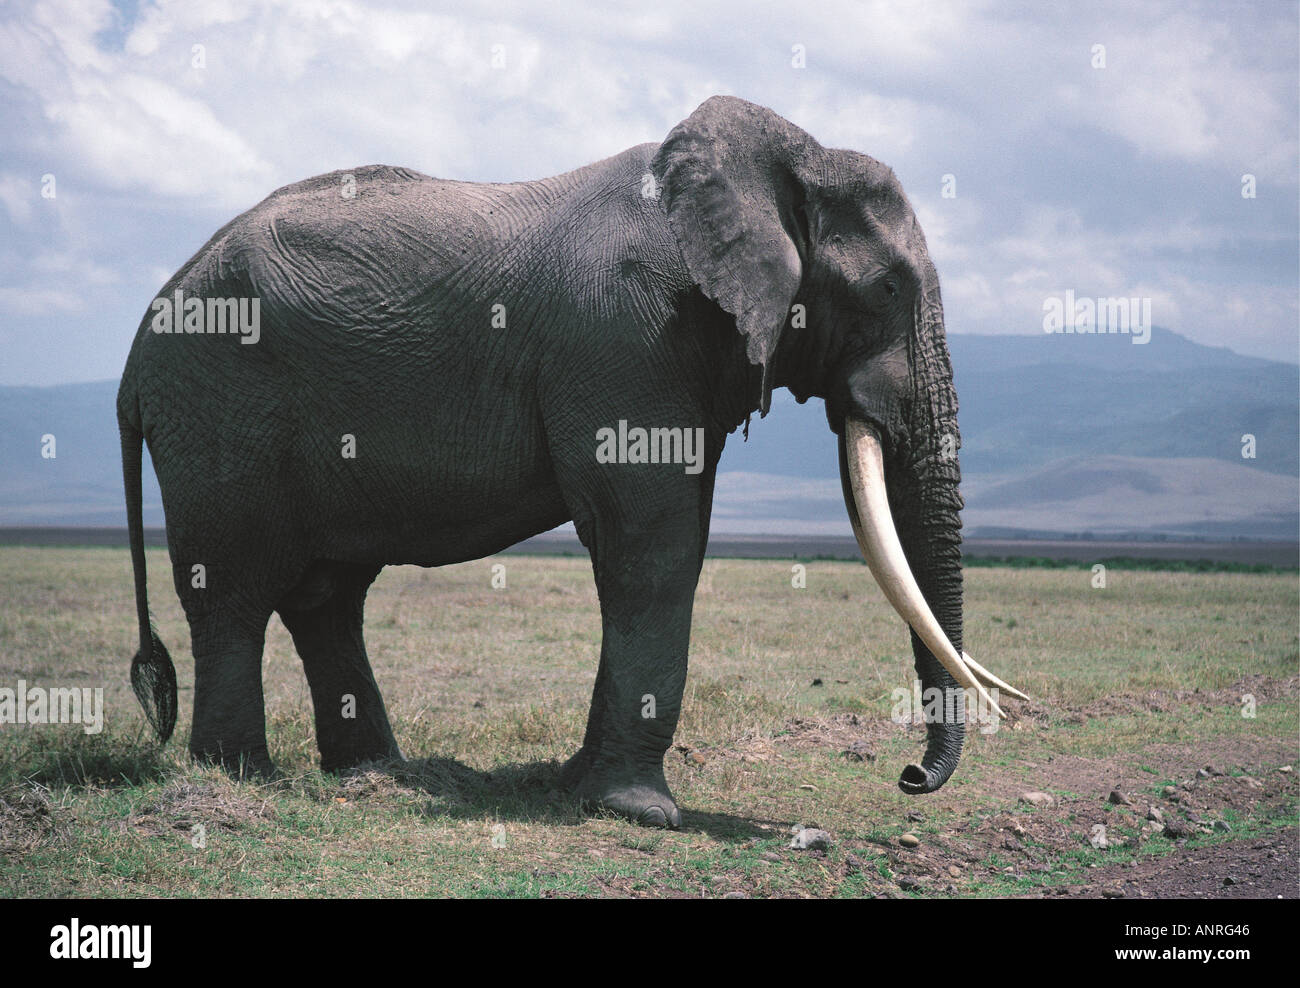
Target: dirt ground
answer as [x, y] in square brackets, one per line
[1213, 787]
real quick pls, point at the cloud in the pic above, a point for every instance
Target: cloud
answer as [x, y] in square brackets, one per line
[115, 126]
[1102, 180]
[1195, 87]
[18, 195]
[39, 301]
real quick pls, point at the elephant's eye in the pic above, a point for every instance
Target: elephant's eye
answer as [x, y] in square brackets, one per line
[891, 287]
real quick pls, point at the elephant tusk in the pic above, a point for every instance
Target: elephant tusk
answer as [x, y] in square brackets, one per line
[988, 679]
[873, 526]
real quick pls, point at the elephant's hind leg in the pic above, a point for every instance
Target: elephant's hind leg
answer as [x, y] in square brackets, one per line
[229, 726]
[324, 615]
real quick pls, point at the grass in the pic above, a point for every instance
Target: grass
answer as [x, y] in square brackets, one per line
[488, 690]
[1127, 563]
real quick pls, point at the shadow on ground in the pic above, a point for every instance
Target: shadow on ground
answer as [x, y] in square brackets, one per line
[528, 792]
[118, 764]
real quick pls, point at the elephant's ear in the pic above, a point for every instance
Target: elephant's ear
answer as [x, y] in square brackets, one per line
[728, 179]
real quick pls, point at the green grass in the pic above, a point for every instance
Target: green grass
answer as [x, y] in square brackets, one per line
[1127, 563]
[488, 690]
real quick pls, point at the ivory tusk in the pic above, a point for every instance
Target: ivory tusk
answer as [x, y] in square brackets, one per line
[991, 680]
[873, 525]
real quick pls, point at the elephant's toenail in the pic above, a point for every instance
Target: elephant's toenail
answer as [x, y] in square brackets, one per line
[653, 816]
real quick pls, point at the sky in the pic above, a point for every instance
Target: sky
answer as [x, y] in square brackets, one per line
[1037, 161]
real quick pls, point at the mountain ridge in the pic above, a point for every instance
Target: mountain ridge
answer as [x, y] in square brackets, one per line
[1086, 432]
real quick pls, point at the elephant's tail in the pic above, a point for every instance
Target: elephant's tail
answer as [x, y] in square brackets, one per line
[153, 677]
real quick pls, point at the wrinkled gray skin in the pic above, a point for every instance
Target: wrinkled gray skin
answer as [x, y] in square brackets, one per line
[672, 310]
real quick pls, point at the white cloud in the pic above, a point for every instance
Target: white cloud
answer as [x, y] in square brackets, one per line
[18, 195]
[1190, 86]
[1190, 99]
[121, 128]
[33, 301]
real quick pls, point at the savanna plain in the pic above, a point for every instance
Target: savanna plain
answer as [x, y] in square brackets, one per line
[1155, 758]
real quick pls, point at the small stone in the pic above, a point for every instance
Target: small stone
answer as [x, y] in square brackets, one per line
[859, 751]
[909, 840]
[1112, 893]
[1229, 881]
[1203, 773]
[1041, 799]
[1175, 829]
[771, 856]
[909, 884]
[1286, 768]
[811, 839]
[1253, 783]
[1117, 798]
[954, 871]
[852, 864]
[1153, 813]
[1169, 792]
[817, 682]
[736, 895]
[1222, 826]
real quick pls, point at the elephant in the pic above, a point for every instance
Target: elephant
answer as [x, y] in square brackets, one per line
[429, 371]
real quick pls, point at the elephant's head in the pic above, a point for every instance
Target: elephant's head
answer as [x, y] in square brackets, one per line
[819, 257]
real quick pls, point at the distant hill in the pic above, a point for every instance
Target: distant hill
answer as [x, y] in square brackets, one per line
[82, 484]
[1035, 400]
[1066, 434]
[1026, 401]
[1115, 496]
[1060, 434]
[1118, 494]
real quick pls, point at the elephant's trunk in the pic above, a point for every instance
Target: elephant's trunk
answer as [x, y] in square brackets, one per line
[929, 508]
[934, 615]
[908, 525]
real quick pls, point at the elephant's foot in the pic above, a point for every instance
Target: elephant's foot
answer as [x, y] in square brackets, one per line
[341, 759]
[252, 764]
[347, 743]
[575, 769]
[640, 796]
[643, 805]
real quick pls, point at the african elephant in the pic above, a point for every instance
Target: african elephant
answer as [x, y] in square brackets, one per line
[435, 368]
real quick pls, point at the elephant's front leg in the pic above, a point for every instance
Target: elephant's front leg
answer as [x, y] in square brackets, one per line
[646, 581]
